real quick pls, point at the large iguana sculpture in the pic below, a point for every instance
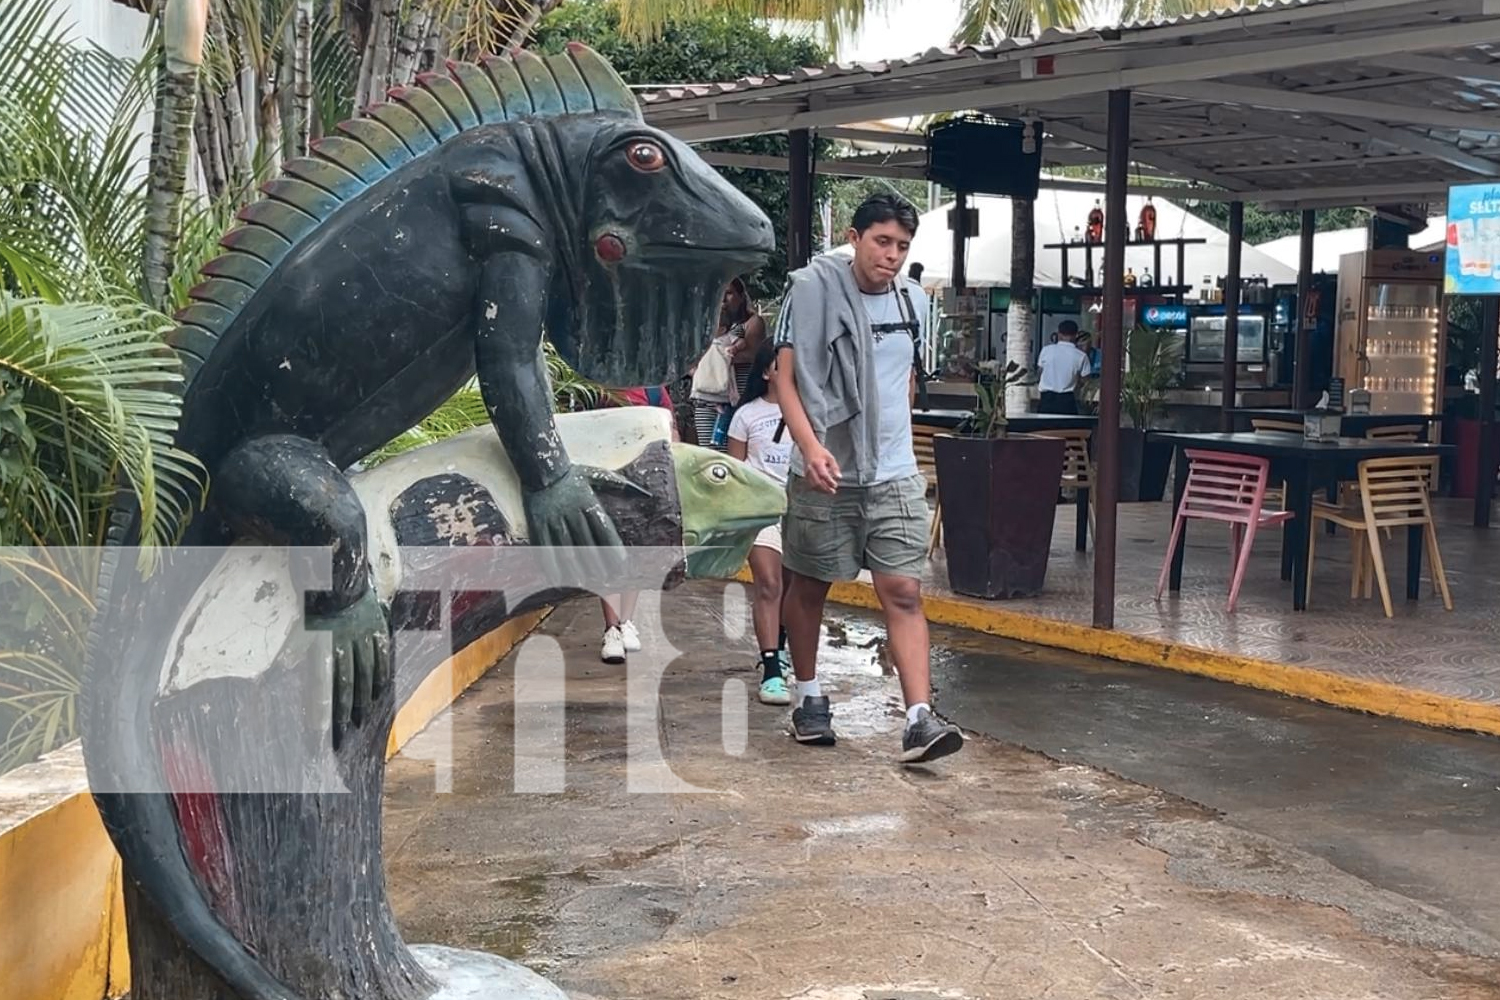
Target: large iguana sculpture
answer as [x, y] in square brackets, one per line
[432, 239]
[295, 869]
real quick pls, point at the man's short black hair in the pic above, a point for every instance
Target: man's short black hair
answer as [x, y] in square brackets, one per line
[1068, 328]
[885, 207]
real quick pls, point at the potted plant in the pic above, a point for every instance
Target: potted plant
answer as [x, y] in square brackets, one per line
[1155, 362]
[1465, 413]
[998, 493]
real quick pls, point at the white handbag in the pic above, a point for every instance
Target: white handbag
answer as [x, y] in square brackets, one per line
[714, 377]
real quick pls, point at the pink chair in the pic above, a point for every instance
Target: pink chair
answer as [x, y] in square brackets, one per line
[1230, 488]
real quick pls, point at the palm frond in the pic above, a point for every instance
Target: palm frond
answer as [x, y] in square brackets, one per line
[983, 22]
[97, 392]
[466, 409]
[644, 20]
[989, 21]
[463, 410]
[1157, 10]
[71, 208]
[335, 72]
[479, 27]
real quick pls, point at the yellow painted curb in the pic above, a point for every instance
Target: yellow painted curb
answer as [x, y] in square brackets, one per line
[62, 918]
[1309, 683]
[442, 687]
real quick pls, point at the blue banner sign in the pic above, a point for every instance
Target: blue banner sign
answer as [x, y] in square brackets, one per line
[1473, 266]
[1165, 316]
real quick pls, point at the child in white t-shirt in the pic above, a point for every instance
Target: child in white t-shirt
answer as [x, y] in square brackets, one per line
[758, 438]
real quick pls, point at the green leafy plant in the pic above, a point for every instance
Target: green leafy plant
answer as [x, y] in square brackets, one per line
[987, 419]
[88, 393]
[1155, 363]
[465, 409]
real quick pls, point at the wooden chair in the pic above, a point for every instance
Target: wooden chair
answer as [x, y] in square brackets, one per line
[1078, 465]
[1397, 432]
[1393, 492]
[921, 443]
[1276, 494]
[1405, 433]
[1229, 488]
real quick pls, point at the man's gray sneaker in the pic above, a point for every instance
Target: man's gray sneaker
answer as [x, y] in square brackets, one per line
[812, 723]
[929, 738]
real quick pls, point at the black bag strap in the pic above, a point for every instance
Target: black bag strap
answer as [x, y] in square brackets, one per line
[910, 312]
[916, 345]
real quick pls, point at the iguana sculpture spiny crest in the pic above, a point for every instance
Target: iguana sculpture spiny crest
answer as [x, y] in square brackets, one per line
[431, 240]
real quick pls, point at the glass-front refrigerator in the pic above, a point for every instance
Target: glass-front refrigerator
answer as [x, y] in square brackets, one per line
[1393, 329]
[1206, 341]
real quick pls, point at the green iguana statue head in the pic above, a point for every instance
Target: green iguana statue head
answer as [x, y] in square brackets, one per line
[725, 504]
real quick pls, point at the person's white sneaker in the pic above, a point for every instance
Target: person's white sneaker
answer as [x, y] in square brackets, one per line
[631, 637]
[613, 649]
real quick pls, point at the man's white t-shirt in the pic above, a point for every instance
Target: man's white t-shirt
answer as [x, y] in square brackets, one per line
[1062, 366]
[755, 423]
[894, 359]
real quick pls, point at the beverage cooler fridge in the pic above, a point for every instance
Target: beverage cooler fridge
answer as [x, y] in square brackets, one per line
[1392, 333]
[1205, 345]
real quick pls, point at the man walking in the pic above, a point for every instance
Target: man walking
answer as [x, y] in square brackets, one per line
[849, 338]
[1062, 366]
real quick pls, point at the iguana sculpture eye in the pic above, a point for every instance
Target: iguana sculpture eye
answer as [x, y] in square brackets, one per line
[646, 157]
[718, 472]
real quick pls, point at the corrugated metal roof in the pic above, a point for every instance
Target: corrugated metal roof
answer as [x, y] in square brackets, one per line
[932, 57]
[937, 56]
[1306, 99]
[1214, 15]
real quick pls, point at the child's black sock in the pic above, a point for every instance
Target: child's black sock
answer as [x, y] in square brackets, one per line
[770, 664]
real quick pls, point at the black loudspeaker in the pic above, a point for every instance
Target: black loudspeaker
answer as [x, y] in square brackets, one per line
[984, 155]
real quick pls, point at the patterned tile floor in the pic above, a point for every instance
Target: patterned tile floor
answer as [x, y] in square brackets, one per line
[1425, 647]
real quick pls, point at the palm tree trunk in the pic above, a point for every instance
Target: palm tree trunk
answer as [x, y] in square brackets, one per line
[286, 96]
[225, 106]
[208, 129]
[1020, 321]
[529, 22]
[183, 24]
[302, 85]
[379, 51]
[407, 51]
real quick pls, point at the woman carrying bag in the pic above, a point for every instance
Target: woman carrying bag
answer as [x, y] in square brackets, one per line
[721, 373]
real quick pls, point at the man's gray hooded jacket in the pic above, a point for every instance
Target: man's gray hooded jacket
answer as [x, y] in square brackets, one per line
[824, 320]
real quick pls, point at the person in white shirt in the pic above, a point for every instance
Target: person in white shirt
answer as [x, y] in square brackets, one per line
[1062, 368]
[757, 436]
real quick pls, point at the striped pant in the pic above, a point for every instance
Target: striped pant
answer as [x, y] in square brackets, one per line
[705, 415]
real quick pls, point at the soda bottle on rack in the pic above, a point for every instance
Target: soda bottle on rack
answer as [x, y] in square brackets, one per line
[1096, 222]
[1147, 221]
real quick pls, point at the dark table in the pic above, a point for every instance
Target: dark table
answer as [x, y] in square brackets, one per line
[1024, 423]
[1027, 423]
[1352, 424]
[1300, 463]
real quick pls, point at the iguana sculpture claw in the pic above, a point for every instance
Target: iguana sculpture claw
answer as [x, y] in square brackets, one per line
[361, 660]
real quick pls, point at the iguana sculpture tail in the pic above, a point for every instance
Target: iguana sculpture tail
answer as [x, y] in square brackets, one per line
[429, 241]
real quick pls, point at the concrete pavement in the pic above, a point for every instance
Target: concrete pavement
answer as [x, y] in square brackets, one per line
[1406, 808]
[837, 874]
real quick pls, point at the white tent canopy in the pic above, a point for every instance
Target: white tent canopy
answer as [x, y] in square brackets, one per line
[1060, 217]
[1330, 246]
